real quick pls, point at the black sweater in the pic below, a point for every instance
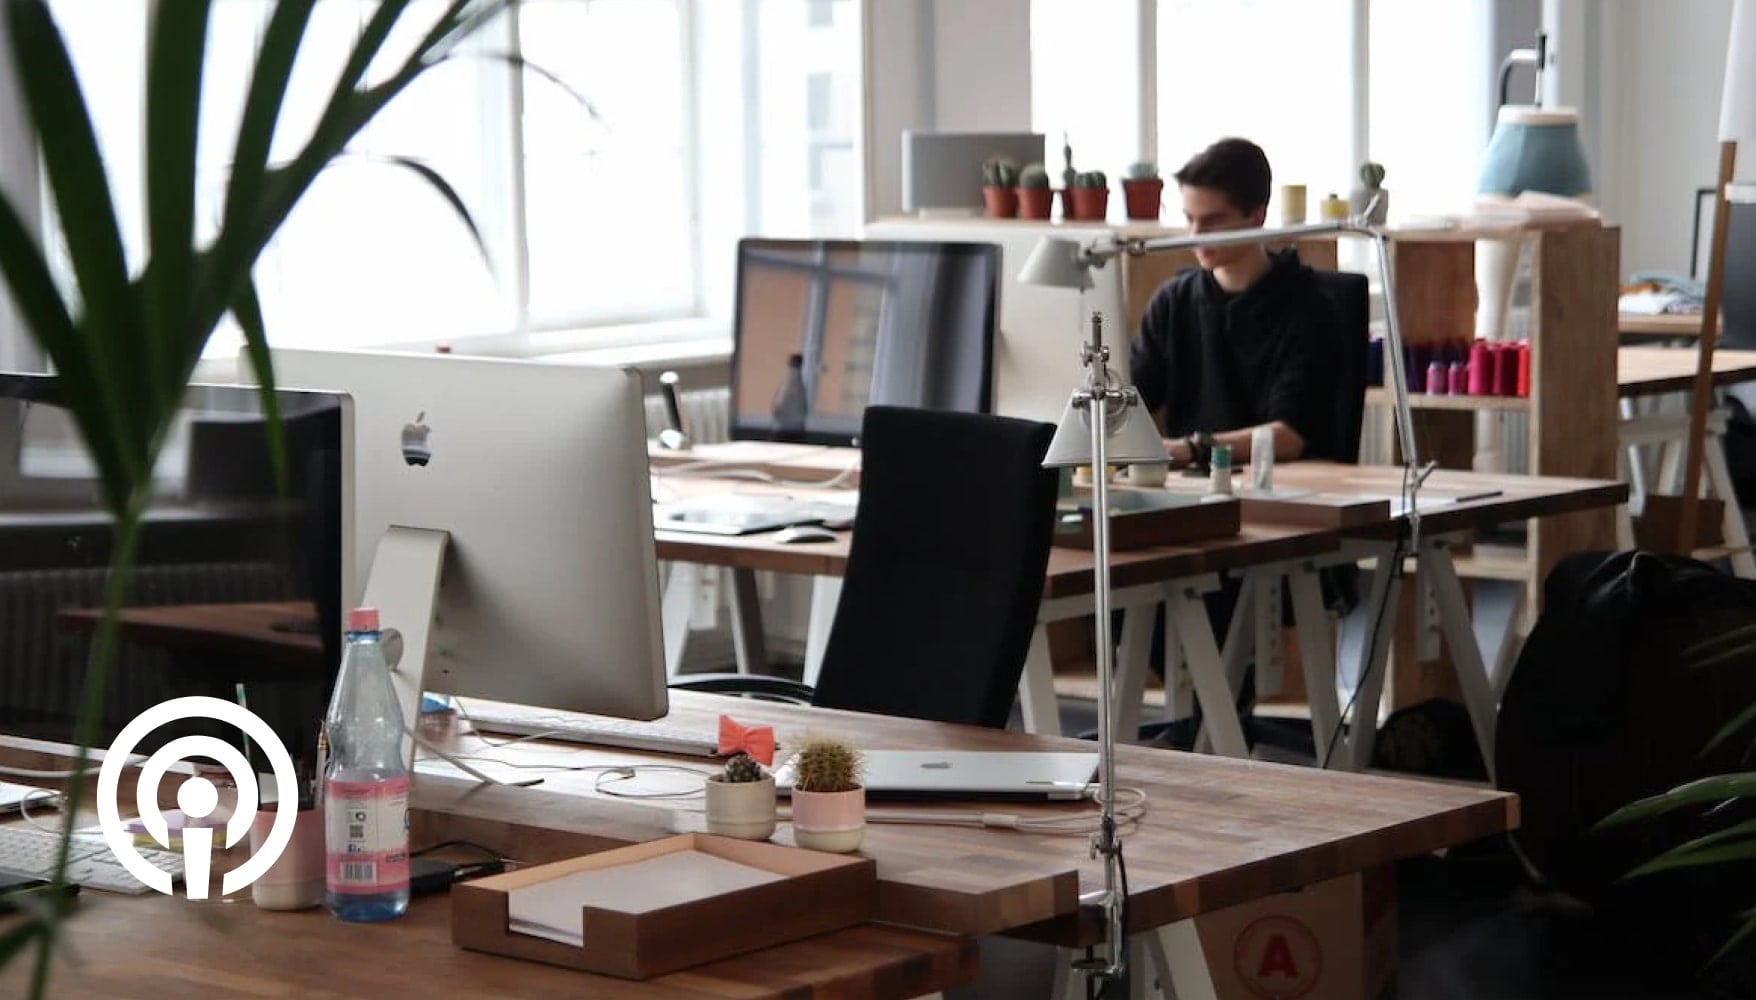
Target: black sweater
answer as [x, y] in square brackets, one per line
[1217, 361]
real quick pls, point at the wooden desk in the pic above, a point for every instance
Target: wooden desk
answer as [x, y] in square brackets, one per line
[1218, 832]
[154, 946]
[240, 639]
[1681, 325]
[1651, 371]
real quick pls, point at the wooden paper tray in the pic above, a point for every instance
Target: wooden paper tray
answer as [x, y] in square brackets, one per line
[631, 937]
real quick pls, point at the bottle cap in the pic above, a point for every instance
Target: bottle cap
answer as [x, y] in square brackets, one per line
[363, 620]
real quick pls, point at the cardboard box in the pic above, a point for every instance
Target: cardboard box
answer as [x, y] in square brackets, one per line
[1335, 940]
[629, 937]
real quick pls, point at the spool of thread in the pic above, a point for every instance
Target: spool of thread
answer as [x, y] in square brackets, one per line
[1506, 370]
[1220, 477]
[1524, 369]
[1481, 369]
[1436, 378]
[1375, 362]
[1458, 380]
[1419, 357]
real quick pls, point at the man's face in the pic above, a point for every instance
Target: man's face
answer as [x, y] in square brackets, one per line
[1208, 210]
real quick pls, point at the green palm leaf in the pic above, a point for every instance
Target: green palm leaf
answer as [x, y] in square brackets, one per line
[1714, 790]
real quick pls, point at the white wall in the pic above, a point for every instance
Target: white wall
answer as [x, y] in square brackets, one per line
[951, 65]
[1660, 67]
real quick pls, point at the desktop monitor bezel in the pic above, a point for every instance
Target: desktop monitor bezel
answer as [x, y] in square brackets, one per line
[738, 430]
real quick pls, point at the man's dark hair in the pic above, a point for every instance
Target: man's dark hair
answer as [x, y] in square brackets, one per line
[1238, 167]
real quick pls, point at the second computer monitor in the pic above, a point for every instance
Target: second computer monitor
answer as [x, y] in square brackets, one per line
[825, 328]
[538, 473]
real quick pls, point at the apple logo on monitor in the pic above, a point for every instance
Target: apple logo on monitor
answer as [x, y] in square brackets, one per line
[415, 450]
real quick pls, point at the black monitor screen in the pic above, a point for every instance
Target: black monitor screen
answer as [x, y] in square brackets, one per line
[217, 530]
[825, 328]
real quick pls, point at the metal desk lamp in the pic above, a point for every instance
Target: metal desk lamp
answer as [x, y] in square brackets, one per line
[1104, 423]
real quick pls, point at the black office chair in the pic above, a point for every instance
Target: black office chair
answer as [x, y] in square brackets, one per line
[1738, 299]
[951, 544]
[1349, 295]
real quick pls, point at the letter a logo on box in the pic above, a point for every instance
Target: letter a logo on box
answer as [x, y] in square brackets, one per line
[1278, 958]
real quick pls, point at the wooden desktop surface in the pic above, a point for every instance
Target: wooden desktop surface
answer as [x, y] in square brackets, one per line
[1217, 831]
[1661, 325]
[1649, 371]
[1513, 497]
[238, 641]
[153, 947]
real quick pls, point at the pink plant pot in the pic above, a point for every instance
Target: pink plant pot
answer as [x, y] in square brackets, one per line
[829, 821]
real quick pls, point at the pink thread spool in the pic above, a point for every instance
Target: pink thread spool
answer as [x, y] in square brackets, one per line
[1506, 370]
[1436, 382]
[1481, 369]
[1524, 369]
[1458, 382]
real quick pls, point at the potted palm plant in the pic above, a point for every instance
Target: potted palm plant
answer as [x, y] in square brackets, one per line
[124, 345]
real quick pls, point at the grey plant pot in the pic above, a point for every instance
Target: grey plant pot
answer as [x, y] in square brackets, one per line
[1361, 197]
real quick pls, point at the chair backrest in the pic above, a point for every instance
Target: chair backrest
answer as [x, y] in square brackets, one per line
[951, 543]
[1348, 293]
[1738, 302]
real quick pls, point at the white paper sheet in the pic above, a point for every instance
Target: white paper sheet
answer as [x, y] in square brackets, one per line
[551, 909]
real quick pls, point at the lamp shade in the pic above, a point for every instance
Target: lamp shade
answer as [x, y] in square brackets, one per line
[1133, 438]
[1056, 263]
[1737, 104]
[1535, 149]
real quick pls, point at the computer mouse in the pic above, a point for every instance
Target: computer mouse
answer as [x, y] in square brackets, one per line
[804, 533]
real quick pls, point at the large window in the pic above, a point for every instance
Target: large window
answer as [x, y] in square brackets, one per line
[707, 120]
[1299, 77]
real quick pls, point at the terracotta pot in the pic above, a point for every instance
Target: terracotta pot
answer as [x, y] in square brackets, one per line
[1091, 204]
[743, 809]
[1002, 202]
[1034, 203]
[1142, 197]
[829, 821]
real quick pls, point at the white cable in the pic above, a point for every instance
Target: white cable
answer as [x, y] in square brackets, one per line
[25, 772]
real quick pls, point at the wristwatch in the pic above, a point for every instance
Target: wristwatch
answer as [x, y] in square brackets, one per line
[1200, 446]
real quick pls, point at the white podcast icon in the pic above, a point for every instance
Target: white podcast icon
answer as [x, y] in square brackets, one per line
[196, 797]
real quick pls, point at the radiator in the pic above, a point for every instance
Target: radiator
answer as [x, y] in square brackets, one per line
[43, 666]
[707, 412]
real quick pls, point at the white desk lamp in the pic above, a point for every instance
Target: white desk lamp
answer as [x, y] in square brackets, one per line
[1103, 423]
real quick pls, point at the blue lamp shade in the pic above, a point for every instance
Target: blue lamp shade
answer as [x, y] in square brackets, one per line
[1535, 149]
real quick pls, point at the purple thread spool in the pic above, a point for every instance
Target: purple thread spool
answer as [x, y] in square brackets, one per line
[1436, 382]
[1458, 382]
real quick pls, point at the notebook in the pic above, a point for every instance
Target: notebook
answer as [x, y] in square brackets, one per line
[969, 774]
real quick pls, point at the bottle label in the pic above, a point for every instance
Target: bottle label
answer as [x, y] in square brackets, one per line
[368, 835]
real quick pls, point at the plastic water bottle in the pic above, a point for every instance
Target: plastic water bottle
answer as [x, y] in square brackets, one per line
[365, 784]
[791, 405]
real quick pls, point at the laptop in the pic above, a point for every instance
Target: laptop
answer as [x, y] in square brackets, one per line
[969, 774]
[746, 515]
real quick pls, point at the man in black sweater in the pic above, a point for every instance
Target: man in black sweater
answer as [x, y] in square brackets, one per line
[1245, 340]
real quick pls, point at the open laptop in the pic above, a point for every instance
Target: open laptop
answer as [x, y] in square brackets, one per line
[969, 774]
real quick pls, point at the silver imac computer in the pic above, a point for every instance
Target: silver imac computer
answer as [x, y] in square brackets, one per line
[507, 504]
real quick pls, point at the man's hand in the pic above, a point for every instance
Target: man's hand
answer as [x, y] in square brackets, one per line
[1178, 449]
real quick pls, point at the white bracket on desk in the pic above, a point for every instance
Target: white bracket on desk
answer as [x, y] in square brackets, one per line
[403, 585]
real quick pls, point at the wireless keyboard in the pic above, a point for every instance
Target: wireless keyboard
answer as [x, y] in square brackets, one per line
[26, 850]
[597, 731]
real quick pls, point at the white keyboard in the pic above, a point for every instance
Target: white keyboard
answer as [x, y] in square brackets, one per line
[597, 731]
[26, 850]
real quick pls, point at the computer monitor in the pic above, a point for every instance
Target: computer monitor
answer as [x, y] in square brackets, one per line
[824, 328]
[942, 171]
[216, 531]
[537, 476]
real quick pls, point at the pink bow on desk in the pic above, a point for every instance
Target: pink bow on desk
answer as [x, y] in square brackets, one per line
[757, 741]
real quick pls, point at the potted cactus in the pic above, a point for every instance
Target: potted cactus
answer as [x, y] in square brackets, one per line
[1371, 187]
[1142, 190]
[1068, 175]
[1034, 196]
[999, 181]
[740, 800]
[829, 803]
[1091, 196]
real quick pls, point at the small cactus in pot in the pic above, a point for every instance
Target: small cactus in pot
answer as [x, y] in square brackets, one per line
[1370, 199]
[1034, 196]
[829, 803]
[1142, 190]
[740, 800]
[999, 178]
[1091, 196]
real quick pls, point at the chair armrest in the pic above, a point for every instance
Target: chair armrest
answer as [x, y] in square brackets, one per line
[757, 686]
